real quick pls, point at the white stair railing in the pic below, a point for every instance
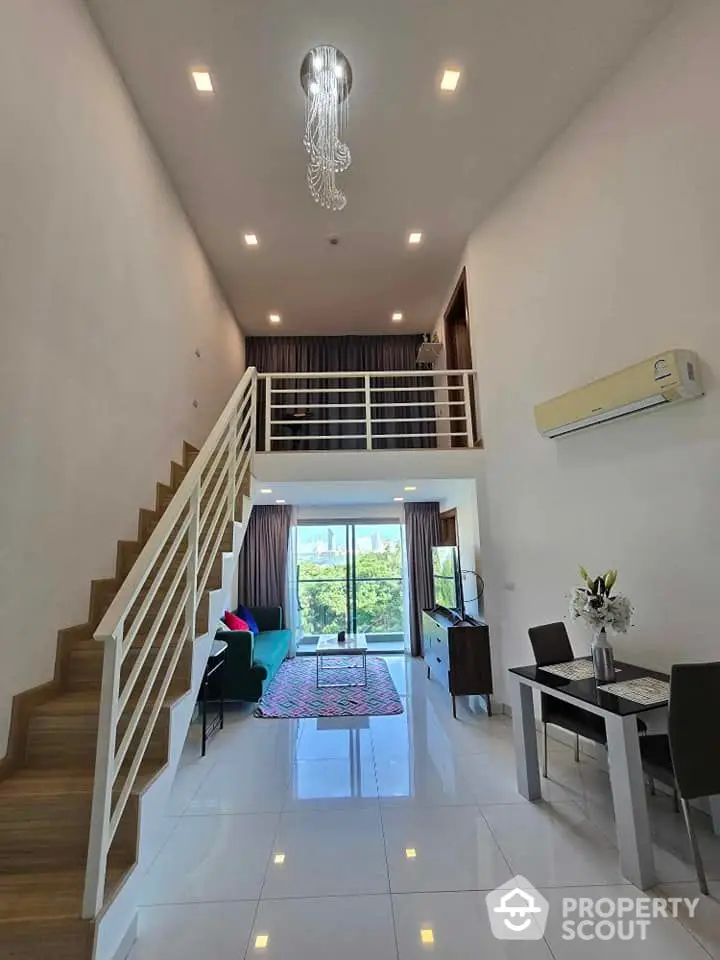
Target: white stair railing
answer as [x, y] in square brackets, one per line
[180, 555]
[368, 410]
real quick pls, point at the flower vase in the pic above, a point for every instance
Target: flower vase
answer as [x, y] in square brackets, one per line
[602, 658]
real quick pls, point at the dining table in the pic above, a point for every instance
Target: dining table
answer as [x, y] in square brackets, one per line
[627, 779]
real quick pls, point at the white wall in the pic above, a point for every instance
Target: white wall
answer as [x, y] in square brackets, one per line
[465, 502]
[607, 253]
[104, 298]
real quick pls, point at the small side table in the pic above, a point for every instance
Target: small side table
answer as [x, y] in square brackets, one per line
[213, 685]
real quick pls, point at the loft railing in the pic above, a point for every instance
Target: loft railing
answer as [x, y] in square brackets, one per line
[367, 410]
[156, 625]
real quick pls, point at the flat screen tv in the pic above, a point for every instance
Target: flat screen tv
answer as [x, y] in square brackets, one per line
[446, 578]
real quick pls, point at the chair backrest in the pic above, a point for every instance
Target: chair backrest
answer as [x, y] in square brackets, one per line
[550, 643]
[694, 728]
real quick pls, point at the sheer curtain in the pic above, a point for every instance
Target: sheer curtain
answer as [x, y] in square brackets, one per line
[422, 533]
[292, 601]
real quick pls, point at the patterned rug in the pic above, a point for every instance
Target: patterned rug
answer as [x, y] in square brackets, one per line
[293, 691]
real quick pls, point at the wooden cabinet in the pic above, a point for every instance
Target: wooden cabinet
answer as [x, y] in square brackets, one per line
[458, 655]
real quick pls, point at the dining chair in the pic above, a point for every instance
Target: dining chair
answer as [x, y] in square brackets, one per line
[551, 644]
[683, 758]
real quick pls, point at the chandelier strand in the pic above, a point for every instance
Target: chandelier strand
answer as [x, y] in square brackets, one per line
[326, 78]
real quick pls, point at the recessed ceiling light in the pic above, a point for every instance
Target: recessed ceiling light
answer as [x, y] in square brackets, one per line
[397, 317]
[415, 237]
[262, 940]
[274, 318]
[398, 499]
[279, 858]
[251, 239]
[427, 935]
[266, 490]
[408, 489]
[450, 79]
[281, 501]
[203, 81]
[410, 853]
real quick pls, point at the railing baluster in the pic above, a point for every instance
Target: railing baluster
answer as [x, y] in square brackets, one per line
[96, 871]
[193, 560]
[255, 392]
[268, 414]
[368, 414]
[232, 463]
[468, 409]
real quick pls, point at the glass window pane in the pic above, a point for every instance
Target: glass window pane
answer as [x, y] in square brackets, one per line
[323, 606]
[379, 606]
[322, 552]
[378, 550]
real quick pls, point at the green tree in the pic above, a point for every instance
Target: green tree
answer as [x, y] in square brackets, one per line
[379, 596]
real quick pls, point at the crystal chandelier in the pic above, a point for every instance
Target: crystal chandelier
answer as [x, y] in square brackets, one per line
[326, 78]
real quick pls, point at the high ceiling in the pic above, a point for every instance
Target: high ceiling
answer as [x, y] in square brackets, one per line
[421, 159]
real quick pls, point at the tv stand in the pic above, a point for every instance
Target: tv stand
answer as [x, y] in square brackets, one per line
[457, 653]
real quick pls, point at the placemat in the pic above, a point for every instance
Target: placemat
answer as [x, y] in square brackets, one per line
[572, 669]
[645, 690]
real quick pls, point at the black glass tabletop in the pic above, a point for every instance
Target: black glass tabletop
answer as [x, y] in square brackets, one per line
[586, 691]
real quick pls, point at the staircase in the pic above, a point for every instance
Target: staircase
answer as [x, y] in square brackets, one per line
[86, 747]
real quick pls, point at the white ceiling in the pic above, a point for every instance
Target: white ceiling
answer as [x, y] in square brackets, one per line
[362, 492]
[420, 159]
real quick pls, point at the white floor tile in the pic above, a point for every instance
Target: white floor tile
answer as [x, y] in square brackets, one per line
[190, 931]
[333, 738]
[189, 777]
[460, 929]
[665, 939]
[241, 788]
[337, 928]
[212, 858]
[326, 853]
[704, 924]
[492, 777]
[418, 804]
[553, 844]
[412, 781]
[440, 849]
[332, 784]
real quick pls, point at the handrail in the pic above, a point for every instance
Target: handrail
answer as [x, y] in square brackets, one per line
[373, 412]
[157, 624]
[347, 374]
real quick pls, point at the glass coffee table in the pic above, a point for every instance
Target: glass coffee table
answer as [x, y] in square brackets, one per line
[328, 646]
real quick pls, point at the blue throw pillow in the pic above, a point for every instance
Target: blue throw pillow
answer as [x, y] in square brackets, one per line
[249, 619]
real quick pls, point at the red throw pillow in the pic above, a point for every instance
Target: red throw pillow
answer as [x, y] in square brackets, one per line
[235, 623]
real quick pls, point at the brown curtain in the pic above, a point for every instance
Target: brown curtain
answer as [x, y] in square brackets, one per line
[422, 532]
[262, 573]
[335, 354]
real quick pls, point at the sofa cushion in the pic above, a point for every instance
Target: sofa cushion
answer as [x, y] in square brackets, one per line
[235, 623]
[247, 616]
[271, 648]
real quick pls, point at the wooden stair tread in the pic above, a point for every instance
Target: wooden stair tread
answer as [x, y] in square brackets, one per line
[81, 702]
[39, 783]
[45, 896]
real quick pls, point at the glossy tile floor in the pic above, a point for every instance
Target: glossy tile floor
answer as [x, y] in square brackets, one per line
[377, 838]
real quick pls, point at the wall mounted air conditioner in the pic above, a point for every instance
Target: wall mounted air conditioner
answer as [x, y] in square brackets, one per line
[661, 380]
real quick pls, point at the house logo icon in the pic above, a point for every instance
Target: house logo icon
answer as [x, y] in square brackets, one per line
[517, 911]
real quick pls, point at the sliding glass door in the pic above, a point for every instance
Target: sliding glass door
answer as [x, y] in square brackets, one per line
[350, 577]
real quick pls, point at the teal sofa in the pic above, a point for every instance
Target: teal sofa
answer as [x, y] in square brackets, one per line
[254, 659]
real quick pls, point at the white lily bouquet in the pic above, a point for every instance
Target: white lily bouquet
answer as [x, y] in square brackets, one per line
[598, 606]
